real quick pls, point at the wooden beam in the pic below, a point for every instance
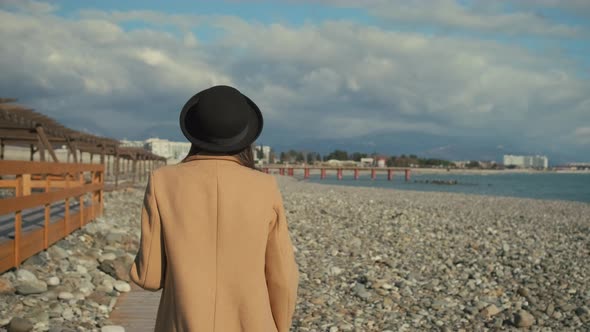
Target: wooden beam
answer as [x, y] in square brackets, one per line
[45, 142]
[12, 167]
[72, 149]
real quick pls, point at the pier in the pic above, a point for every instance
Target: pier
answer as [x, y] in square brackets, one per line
[305, 171]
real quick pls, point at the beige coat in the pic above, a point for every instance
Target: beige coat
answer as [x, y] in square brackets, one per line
[214, 237]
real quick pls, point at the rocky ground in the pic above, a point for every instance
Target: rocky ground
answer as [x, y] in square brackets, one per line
[369, 259]
[387, 260]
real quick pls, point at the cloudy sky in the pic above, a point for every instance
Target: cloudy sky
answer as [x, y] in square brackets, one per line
[461, 79]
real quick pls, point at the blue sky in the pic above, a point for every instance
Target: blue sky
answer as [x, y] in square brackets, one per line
[471, 78]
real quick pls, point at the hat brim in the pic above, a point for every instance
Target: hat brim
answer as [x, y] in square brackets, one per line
[254, 128]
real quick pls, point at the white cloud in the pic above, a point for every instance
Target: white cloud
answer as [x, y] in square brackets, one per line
[480, 15]
[582, 135]
[190, 40]
[29, 6]
[332, 79]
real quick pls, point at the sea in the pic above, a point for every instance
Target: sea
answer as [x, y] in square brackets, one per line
[553, 186]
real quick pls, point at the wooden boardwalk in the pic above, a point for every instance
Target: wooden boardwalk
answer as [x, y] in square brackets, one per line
[136, 310]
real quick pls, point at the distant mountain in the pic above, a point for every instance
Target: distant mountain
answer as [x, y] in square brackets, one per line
[426, 146]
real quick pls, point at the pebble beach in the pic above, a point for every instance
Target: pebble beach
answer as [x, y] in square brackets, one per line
[370, 259]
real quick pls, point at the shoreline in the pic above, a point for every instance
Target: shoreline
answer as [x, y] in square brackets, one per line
[316, 171]
[430, 191]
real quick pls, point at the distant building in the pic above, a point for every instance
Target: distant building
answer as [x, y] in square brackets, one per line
[526, 161]
[167, 149]
[461, 163]
[381, 162]
[343, 163]
[132, 144]
[579, 166]
[265, 150]
[487, 164]
[367, 162]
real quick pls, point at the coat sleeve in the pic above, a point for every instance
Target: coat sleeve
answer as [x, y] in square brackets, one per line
[149, 268]
[282, 275]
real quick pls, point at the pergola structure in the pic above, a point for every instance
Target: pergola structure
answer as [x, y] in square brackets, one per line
[24, 127]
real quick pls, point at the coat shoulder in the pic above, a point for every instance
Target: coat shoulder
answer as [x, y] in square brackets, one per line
[266, 180]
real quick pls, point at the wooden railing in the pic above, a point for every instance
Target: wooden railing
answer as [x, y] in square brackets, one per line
[38, 185]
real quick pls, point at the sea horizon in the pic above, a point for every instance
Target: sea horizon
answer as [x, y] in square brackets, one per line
[544, 185]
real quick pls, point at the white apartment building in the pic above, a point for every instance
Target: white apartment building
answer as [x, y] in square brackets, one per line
[526, 161]
[178, 150]
[168, 149]
[367, 162]
[265, 153]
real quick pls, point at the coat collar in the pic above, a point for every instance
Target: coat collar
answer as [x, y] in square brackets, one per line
[212, 157]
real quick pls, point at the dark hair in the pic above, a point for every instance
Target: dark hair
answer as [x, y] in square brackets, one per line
[245, 156]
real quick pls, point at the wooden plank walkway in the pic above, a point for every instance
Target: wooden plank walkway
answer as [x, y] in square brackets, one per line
[136, 311]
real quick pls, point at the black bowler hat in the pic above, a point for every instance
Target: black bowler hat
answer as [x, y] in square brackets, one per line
[221, 119]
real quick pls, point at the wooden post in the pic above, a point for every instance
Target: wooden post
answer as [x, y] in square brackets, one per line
[45, 143]
[67, 213]
[47, 216]
[1, 149]
[282, 171]
[291, 171]
[92, 205]
[41, 150]
[102, 153]
[101, 192]
[117, 161]
[81, 200]
[356, 173]
[143, 167]
[140, 167]
[32, 151]
[72, 149]
[107, 168]
[339, 174]
[91, 158]
[323, 173]
[23, 188]
[134, 169]
[306, 173]
[129, 166]
[389, 174]
[26, 185]
[18, 219]
[373, 174]
[407, 174]
[266, 170]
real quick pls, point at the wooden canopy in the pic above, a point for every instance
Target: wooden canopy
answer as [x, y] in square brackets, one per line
[21, 126]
